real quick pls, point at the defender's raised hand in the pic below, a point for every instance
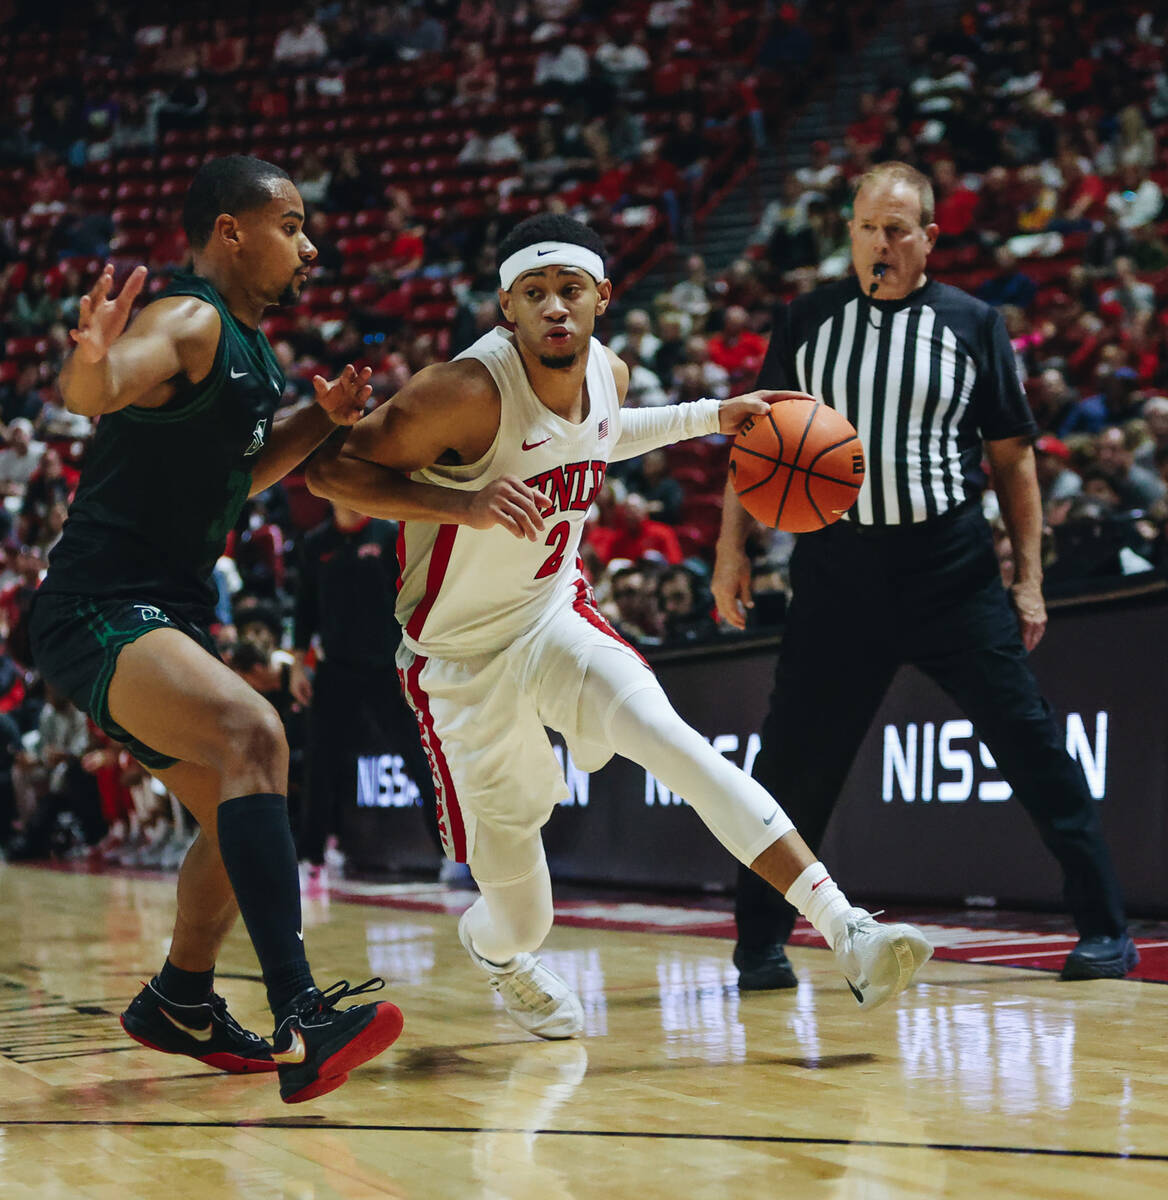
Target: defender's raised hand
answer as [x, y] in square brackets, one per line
[344, 398]
[103, 317]
[735, 412]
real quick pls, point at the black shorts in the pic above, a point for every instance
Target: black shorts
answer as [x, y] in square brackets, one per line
[75, 645]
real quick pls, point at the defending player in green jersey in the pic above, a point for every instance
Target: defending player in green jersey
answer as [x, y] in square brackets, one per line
[186, 398]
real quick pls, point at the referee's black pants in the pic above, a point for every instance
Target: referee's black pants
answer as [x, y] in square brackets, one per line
[864, 602]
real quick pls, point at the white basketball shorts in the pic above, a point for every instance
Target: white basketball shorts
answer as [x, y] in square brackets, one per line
[483, 719]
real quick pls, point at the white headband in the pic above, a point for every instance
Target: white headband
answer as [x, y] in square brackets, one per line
[550, 254]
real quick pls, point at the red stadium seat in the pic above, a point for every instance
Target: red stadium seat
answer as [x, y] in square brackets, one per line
[358, 246]
[433, 314]
[26, 347]
[363, 294]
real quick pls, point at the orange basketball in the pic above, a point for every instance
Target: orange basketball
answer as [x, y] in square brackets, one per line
[799, 467]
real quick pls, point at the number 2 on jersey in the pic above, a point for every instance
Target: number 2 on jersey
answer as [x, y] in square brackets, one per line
[557, 539]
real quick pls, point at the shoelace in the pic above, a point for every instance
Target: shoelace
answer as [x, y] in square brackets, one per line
[343, 989]
[855, 922]
[524, 988]
[219, 1010]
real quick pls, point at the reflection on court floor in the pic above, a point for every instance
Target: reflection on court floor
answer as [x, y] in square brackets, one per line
[981, 1082]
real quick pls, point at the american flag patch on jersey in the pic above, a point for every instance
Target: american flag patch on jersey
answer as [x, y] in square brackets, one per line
[602, 428]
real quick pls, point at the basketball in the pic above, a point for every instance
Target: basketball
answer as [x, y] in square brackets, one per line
[799, 467]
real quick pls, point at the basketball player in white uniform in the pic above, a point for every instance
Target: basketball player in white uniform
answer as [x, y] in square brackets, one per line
[491, 463]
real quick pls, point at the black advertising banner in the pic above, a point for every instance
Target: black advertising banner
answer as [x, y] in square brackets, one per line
[924, 814]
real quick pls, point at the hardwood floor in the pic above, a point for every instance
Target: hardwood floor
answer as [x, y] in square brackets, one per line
[981, 1082]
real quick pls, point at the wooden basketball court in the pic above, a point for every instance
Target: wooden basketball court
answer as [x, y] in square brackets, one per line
[982, 1082]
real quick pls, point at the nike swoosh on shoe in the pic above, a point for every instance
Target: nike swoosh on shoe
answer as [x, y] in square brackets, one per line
[200, 1035]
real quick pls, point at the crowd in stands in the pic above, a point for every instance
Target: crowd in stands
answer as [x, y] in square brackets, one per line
[420, 134]
[1042, 128]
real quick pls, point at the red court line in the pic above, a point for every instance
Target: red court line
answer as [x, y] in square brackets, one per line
[1034, 952]
[1017, 947]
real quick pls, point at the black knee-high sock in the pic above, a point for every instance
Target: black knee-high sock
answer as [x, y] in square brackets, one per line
[255, 841]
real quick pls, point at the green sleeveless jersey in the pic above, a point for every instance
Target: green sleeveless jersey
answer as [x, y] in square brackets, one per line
[161, 488]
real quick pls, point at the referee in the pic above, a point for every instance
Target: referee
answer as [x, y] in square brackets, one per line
[926, 374]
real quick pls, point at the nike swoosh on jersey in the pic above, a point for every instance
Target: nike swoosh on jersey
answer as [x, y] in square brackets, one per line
[238, 374]
[533, 445]
[296, 1053]
[200, 1035]
[771, 818]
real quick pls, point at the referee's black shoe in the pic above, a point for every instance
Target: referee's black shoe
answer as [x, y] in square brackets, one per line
[206, 1032]
[764, 970]
[315, 1046]
[1101, 958]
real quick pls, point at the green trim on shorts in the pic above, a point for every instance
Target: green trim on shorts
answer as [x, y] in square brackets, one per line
[112, 642]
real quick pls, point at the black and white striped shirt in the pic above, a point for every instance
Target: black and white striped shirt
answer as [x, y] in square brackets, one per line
[924, 380]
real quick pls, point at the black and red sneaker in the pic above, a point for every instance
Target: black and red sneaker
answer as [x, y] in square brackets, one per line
[315, 1046]
[206, 1032]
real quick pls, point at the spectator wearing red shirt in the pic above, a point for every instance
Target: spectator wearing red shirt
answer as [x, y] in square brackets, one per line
[956, 204]
[400, 249]
[48, 186]
[869, 129]
[1083, 198]
[737, 349]
[679, 76]
[655, 182]
[635, 536]
[224, 53]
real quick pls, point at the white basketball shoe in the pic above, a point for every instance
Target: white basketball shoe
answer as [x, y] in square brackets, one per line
[878, 961]
[535, 997]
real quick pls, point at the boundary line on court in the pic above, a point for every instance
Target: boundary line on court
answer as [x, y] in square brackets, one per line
[643, 1134]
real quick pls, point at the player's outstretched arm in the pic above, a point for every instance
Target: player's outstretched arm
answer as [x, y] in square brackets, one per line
[449, 410]
[112, 366]
[338, 402]
[645, 429]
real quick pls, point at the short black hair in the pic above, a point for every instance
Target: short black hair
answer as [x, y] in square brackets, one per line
[548, 227]
[236, 183]
[246, 656]
[259, 612]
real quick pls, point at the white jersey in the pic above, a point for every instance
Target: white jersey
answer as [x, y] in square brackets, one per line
[464, 592]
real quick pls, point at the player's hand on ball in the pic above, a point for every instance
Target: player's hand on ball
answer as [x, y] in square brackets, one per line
[509, 502]
[735, 412]
[344, 398]
[103, 317]
[730, 584]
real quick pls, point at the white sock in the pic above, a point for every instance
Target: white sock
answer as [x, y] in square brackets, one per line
[818, 897]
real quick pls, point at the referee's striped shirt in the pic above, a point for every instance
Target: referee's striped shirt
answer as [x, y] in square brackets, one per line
[924, 380]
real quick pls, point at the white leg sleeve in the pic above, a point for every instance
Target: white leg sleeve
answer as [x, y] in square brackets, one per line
[643, 726]
[513, 913]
